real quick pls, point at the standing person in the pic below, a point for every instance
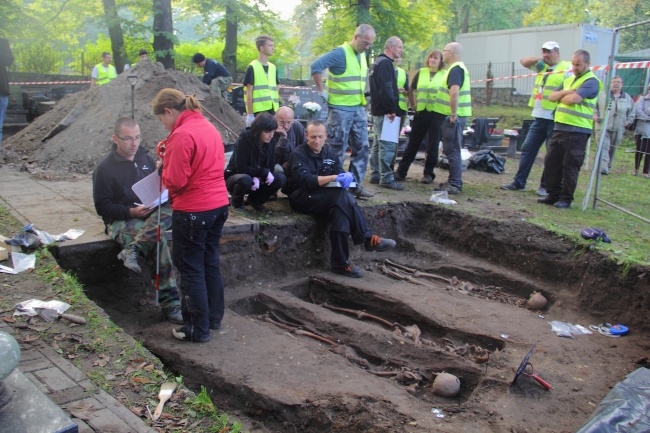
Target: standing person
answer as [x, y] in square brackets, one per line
[347, 123]
[103, 73]
[193, 173]
[574, 115]
[214, 71]
[134, 226]
[261, 81]
[290, 134]
[385, 102]
[549, 68]
[313, 167]
[621, 114]
[6, 60]
[251, 167]
[427, 120]
[402, 111]
[642, 134]
[453, 100]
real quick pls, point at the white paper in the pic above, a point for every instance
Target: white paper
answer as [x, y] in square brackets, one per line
[148, 191]
[390, 130]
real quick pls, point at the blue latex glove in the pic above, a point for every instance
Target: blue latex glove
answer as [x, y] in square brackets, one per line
[345, 179]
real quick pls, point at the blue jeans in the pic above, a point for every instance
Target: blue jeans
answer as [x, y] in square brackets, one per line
[452, 139]
[4, 102]
[196, 237]
[540, 131]
[350, 128]
[382, 153]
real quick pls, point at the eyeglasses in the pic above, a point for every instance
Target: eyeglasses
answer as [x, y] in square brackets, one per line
[366, 44]
[128, 139]
[284, 122]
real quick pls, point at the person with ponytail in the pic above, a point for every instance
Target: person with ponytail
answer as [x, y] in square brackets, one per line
[193, 173]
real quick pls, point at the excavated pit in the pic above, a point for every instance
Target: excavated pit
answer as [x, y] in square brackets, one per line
[306, 350]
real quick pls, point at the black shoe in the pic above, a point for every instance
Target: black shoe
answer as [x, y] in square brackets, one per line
[258, 207]
[129, 256]
[215, 327]
[427, 179]
[393, 185]
[398, 176]
[546, 200]
[563, 204]
[374, 180]
[349, 271]
[375, 243]
[511, 187]
[273, 197]
[173, 314]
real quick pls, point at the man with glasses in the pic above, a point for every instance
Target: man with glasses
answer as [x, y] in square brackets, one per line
[290, 134]
[133, 225]
[347, 123]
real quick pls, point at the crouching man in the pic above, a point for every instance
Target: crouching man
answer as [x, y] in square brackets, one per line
[313, 167]
[131, 225]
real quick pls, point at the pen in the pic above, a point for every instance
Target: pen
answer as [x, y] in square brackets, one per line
[138, 204]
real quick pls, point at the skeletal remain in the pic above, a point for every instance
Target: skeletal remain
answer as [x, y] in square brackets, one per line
[415, 272]
[399, 276]
[351, 355]
[360, 314]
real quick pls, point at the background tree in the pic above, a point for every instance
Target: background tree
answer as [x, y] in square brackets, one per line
[163, 33]
[115, 33]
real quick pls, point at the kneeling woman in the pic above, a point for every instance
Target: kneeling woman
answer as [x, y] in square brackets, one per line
[251, 167]
[193, 162]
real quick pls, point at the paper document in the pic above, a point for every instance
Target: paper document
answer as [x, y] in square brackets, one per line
[390, 130]
[148, 191]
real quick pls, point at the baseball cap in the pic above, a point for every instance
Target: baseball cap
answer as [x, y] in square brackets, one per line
[551, 45]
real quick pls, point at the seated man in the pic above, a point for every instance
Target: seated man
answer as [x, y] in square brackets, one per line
[251, 166]
[134, 226]
[290, 133]
[313, 167]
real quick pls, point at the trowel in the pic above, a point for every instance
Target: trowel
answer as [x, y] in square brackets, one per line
[166, 391]
[50, 315]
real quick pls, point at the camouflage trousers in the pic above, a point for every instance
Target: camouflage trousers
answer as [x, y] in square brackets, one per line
[142, 234]
[220, 86]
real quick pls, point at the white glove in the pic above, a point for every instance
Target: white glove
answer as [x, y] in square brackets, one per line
[269, 179]
[324, 96]
[249, 119]
[256, 184]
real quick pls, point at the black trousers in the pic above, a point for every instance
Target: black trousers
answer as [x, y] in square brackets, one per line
[424, 122]
[566, 153]
[239, 185]
[343, 214]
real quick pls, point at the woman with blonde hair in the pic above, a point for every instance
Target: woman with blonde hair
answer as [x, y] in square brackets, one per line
[192, 172]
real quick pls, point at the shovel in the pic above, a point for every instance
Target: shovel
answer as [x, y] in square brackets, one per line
[50, 315]
[166, 391]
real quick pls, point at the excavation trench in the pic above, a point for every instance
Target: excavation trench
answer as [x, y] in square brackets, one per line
[306, 350]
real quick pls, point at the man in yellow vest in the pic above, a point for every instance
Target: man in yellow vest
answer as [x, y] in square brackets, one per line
[551, 73]
[454, 100]
[261, 81]
[345, 96]
[576, 99]
[104, 72]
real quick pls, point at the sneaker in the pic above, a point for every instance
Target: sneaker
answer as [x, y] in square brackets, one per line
[393, 185]
[375, 243]
[173, 314]
[361, 192]
[374, 180]
[542, 192]
[449, 188]
[129, 256]
[512, 187]
[547, 201]
[349, 271]
[563, 204]
[398, 177]
[427, 179]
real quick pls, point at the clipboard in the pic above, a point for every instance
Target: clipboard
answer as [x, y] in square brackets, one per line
[148, 191]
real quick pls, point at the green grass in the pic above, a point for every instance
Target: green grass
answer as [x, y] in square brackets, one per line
[509, 117]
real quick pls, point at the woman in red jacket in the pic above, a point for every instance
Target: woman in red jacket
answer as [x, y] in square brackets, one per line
[193, 167]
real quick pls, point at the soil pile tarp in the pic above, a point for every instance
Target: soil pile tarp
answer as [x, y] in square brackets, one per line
[90, 116]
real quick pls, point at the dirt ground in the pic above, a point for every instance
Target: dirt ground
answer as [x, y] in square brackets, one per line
[305, 350]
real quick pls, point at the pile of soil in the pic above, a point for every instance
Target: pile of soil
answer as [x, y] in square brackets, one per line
[79, 147]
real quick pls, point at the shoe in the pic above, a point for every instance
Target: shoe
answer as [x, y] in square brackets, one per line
[129, 256]
[361, 192]
[542, 192]
[512, 187]
[258, 207]
[349, 271]
[635, 172]
[173, 314]
[393, 185]
[646, 175]
[547, 201]
[179, 334]
[375, 243]
[605, 173]
[374, 180]
[237, 202]
[398, 177]
[427, 179]
[449, 188]
[563, 204]
[215, 327]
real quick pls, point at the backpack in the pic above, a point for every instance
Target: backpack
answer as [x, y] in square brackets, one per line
[594, 234]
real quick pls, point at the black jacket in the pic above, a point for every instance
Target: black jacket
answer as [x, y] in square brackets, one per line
[382, 78]
[285, 146]
[250, 158]
[306, 166]
[112, 182]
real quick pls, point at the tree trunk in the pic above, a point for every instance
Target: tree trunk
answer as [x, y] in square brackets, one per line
[464, 25]
[229, 53]
[363, 13]
[163, 33]
[115, 33]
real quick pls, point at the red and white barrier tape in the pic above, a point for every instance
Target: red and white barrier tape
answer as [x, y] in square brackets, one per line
[40, 83]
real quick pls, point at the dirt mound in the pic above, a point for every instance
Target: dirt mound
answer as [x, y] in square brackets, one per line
[78, 147]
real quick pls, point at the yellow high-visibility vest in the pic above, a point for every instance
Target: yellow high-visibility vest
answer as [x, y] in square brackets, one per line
[581, 114]
[265, 88]
[464, 96]
[553, 81]
[427, 89]
[401, 82]
[348, 88]
[104, 76]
